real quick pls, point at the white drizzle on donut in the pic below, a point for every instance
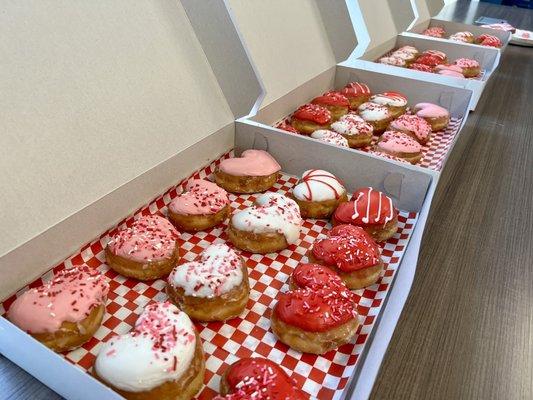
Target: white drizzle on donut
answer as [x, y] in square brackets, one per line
[363, 195]
[318, 185]
[389, 99]
[217, 271]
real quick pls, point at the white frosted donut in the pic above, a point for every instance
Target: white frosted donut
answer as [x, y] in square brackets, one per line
[318, 185]
[391, 99]
[325, 135]
[373, 112]
[352, 125]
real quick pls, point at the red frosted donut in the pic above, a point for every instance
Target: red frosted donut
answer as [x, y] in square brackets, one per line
[429, 60]
[489, 40]
[356, 93]
[315, 276]
[286, 126]
[335, 102]
[372, 210]
[258, 379]
[350, 252]
[311, 117]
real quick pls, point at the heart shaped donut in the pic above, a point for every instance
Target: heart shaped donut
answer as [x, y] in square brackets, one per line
[161, 357]
[254, 171]
[350, 252]
[214, 287]
[315, 276]
[399, 144]
[258, 379]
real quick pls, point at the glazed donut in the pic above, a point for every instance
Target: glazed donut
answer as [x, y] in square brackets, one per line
[335, 102]
[253, 172]
[421, 67]
[399, 144]
[325, 135]
[286, 126]
[376, 115]
[437, 116]
[64, 313]
[449, 70]
[315, 276]
[147, 250]
[372, 210]
[272, 224]
[315, 321]
[203, 205]
[354, 129]
[258, 379]
[488, 40]
[416, 127]
[351, 253]
[318, 194]
[471, 68]
[392, 60]
[214, 287]
[311, 117]
[395, 102]
[465, 37]
[161, 358]
[434, 31]
[356, 93]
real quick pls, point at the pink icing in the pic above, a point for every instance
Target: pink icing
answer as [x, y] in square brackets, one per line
[430, 110]
[420, 128]
[250, 163]
[70, 296]
[447, 72]
[386, 155]
[466, 63]
[200, 197]
[149, 238]
[445, 67]
[398, 142]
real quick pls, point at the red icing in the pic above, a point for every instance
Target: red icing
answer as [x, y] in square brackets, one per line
[315, 276]
[260, 379]
[489, 40]
[421, 67]
[370, 207]
[429, 60]
[435, 53]
[347, 247]
[332, 99]
[315, 310]
[354, 89]
[286, 126]
[314, 113]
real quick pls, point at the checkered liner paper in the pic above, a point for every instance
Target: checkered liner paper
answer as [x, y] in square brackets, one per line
[434, 152]
[323, 377]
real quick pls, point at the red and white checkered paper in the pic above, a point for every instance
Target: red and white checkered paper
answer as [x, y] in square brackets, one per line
[323, 377]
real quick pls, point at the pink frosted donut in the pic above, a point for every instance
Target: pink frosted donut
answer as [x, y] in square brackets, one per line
[434, 31]
[471, 68]
[398, 144]
[438, 117]
[412, 125]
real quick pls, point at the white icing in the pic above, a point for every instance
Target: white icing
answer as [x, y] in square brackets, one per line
[218, 270]
[159, 349]
[373, 112]
[386, 99]
[408, 49]
[404, 55]
[351, 125]
[273, 212]
[397, 61]
[328, 136]
[318, 185]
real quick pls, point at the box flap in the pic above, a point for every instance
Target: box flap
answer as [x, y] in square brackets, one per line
[384, 20]
[291, 42]
[94, 94]
[422, 13]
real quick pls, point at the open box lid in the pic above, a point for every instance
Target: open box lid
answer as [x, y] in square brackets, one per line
[383, 20]
[291, 42]
[98, 100]
[425, 9]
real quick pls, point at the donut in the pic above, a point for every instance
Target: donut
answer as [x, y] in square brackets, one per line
[325, 135]
[271, 224]
[416, 127]
[392, 60]
[335, 102]
[464, 37]
[421, 67]
[214, 287]
[395, 102]
[311, 117]
[203, 205]
[438, 117]
[407, 56]
[399, 144]
[350, 252]
[315, 321]
[372, 210]
[436, 53]
[449, 70]
[471, 68]
[315, 276]
[146, 250]
[64, 313]
[434, 31]
[488, 40]
[377, 115]
[161, 358]
[354, 129]
[286, 126]
[356, 93]
[318, 194]
[253, 172]
[429, 60]
[409, 49]
[386, 156]
[258, 379]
